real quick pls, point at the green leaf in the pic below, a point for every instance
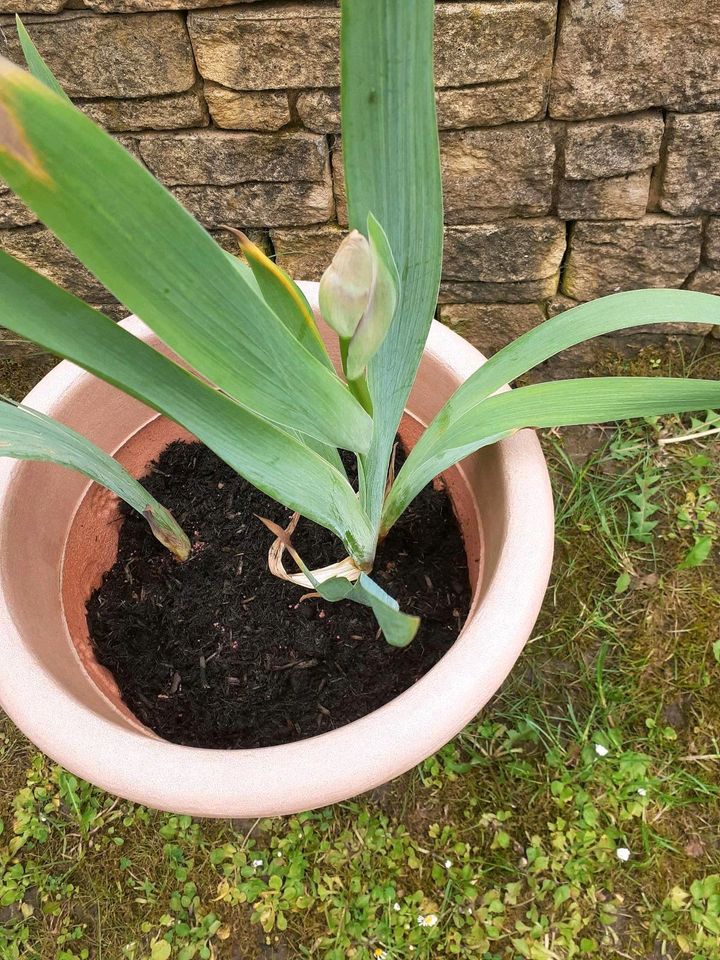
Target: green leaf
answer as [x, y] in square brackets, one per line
[581, 323]
[375, 322]
[698, 553]
[398, 628]
[275, 462]
[36, 65]
[392, 170]
[290, 305]
[622, 582]
[564, 402]
[160, 950]
[148, 251]
[284, 298]
[605, 315]
[26, 434]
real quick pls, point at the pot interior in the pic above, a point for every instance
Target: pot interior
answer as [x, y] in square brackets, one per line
[59, 534]
[92, 543]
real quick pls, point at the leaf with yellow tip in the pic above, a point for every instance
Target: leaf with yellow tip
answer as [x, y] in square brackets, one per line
[283, 296]
[134, 236]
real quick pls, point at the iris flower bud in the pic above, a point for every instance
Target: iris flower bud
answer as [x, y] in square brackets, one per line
[345, 285]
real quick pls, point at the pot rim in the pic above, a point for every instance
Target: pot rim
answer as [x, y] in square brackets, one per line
[283, 779]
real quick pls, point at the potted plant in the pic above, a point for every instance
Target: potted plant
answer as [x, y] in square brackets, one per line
[274, 378]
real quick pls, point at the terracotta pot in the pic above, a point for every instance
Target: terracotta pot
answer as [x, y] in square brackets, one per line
[58, 534]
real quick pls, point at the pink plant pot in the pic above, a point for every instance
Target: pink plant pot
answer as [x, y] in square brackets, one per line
[58, 535]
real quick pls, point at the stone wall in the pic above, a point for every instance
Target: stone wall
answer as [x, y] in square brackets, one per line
[580, 143]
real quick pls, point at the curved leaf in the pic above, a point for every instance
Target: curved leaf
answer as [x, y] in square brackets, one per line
[605, 315]
[274, 461]
[581, 323]
[398, 628]
[557, 404]
[284, 298]
[26, 434]
[147, 250]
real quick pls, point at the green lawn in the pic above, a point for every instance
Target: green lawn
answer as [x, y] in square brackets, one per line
[578, 816]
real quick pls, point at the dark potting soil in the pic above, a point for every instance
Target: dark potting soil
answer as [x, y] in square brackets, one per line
[217, 652]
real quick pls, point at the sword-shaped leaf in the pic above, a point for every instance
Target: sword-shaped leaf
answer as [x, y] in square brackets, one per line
[145, 248]
[36, 65]
[270, 458]
[557, 404]
[392, 170]
[581, 323]
[605, 315]
[284, 297]
[26, 434]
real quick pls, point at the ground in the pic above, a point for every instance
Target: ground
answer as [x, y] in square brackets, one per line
[577, 816]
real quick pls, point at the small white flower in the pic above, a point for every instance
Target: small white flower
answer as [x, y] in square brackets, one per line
[429, 920]
[380, 954]
[257, 863]
[448, 864]
[642, 791]
[600, 750]
[396, 907]
[622, 853]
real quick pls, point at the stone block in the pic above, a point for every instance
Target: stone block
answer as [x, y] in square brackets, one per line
[691, 176]
[137, 55]
[498, 172]
[518, 291]
[319, 110]
[487, 105]
[609, 148]
[615, 56]
[606, 257]
[247, 109]
[491, 326]
[176, 111]
[506, 251]
[305, 252]
[268, 47]
[259, 204]
[705, 279]
[611, 198]
[482, 42]
[225, 158]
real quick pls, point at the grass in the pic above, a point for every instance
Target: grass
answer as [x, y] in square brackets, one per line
[577, 816]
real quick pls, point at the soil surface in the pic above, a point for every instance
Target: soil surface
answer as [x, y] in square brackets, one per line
[216, 652]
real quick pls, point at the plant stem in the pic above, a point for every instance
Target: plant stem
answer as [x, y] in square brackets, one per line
[358, 388]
